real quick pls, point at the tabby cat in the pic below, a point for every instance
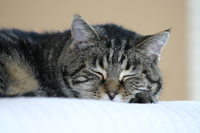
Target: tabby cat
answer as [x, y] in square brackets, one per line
[105, 62]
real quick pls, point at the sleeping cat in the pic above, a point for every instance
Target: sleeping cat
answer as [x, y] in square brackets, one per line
[105, 62]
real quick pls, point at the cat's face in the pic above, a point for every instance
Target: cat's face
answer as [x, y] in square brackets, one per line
[105, 65]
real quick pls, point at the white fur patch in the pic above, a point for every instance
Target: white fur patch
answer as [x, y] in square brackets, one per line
[117, 98]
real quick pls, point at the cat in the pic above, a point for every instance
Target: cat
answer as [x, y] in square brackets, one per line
[104, 62]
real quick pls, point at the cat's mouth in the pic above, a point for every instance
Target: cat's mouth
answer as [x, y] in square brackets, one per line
[143, 97]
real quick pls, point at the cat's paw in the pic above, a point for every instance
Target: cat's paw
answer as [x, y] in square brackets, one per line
[143, 97]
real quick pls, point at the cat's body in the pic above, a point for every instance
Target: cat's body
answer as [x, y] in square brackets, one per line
[101, 62]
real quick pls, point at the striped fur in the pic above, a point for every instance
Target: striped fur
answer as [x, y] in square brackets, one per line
[105, 62]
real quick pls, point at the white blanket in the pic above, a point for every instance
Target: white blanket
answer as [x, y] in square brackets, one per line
[59, 115]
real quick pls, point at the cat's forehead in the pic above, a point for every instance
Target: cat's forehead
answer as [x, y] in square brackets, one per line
[115, 51]
[113, 59]
[114, 31]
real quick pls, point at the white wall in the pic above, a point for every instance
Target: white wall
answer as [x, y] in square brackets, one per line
[193, 49]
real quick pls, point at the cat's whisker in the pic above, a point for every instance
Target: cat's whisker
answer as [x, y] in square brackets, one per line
[161, 97]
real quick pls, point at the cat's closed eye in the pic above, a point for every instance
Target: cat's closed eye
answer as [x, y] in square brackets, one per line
[80, 79]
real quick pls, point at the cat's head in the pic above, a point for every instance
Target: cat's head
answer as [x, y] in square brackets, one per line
[107, 62]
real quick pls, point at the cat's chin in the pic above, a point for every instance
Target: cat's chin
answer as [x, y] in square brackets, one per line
[117, 98]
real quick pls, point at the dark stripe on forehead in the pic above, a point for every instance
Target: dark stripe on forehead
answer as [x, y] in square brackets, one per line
[108, 57]
[108, 43]
[101, 62]
[122, 58]
[127, 65]
[126, 46]
[116, 44]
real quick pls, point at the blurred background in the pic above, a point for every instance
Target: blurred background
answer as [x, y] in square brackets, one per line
[180, 57]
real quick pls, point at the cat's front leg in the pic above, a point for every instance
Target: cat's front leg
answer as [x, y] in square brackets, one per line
[143, 97]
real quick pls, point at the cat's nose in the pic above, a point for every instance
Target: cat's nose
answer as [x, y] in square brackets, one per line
[111, 94]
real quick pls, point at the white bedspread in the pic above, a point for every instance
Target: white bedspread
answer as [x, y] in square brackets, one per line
[59, 115]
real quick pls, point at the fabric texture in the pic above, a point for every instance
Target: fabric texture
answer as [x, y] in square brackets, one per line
[60, 115]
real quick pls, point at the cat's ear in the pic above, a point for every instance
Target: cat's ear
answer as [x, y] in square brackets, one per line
[82, 33]
[153, 45]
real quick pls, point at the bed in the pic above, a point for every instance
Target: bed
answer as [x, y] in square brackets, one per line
[61, 115]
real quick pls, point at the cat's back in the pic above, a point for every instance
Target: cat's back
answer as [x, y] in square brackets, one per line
[11, 36]
[17, 44]
[17, 71]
